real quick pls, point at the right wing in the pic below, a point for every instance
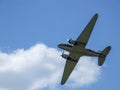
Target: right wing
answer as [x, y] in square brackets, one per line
[84, 36]
[69, 66]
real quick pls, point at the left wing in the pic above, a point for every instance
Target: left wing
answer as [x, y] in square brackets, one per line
[69, 66]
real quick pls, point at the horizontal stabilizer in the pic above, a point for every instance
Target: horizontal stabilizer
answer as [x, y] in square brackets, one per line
[102, 55]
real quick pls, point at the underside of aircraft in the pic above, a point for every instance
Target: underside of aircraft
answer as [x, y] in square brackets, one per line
[77, 49]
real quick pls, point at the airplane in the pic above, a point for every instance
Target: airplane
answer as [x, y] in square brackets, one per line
[77, 49]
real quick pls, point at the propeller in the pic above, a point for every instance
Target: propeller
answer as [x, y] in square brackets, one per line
[69, 39]
[62, 53]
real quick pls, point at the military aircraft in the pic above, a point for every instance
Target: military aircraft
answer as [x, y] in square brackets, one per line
[77, 49]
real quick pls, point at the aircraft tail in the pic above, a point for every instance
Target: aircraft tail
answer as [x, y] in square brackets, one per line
[102, 55]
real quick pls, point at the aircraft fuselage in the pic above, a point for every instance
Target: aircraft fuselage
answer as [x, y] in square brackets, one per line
[82, 51]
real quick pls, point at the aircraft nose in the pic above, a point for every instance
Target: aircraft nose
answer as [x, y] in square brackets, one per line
[59, 45]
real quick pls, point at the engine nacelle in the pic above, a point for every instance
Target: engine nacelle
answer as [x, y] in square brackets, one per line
[65, 56]
[71, 41]
[68, 57]
[76, 42]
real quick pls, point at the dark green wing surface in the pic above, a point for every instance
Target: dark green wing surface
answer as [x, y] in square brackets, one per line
[69, 66]
[84, 36]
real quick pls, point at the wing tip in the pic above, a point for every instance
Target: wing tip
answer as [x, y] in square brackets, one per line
[62, 83]
[96, 15]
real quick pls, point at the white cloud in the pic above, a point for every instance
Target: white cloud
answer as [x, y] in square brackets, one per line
[3, 89]
[41, 67]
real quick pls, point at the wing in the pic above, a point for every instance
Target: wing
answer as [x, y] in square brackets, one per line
[69, 66]
[84, 36]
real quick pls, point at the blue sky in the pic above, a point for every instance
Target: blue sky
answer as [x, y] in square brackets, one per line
[24, 23]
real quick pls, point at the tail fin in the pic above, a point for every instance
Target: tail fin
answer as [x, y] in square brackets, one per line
[102, 55]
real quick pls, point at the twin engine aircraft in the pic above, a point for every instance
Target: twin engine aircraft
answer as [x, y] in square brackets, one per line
[77, 49]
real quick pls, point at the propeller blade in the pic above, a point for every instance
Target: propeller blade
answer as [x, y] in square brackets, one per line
[69, 39]
[62, 53]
